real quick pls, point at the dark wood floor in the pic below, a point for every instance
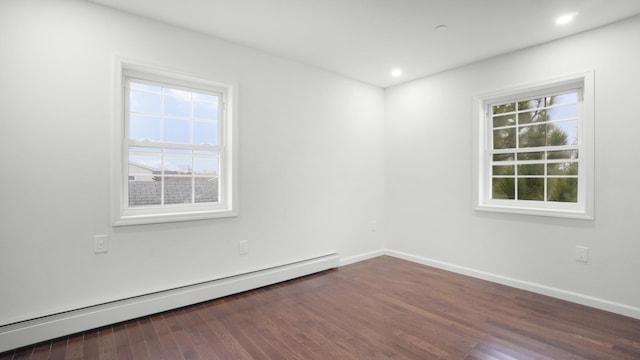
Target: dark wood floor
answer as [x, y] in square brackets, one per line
[377, 309]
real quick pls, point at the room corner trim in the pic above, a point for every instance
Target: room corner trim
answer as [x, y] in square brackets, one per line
[361, 257]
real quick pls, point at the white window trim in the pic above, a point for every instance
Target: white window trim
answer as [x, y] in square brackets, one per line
[228, 207]
[584, 208]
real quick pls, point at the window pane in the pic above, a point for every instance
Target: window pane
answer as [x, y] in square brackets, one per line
[571, 98]
[562, 133]
[205, 133]
[538, 155]
[563, 154]
[562, 189]
[532, 136]
[503, 157]
[144, 164]
[177, 103]
[531, 104]
[531, 169]
[177, 190]
[532, 117]
[505, 120]
[565, 168]
[144, 187]
[177, 165]
[502, 188]
[206, 166]
[562, 112]
[506, 108]
[177, 131]
[503, 170]
[531, 189]
[142, 102]
[144, 192]
[205, 107]
[144, 128]
[206, 189]
[504, 138]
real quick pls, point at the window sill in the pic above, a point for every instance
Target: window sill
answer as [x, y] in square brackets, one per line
[156, 218]
[569, 212]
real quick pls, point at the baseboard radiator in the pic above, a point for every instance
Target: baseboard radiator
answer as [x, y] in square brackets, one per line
[32, 331]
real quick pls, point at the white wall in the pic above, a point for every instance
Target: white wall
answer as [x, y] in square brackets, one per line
[428, 186]
[314, 156]
[311, 161]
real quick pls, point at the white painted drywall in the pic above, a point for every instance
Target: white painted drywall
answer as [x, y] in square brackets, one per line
[311, 161]
[429, 180]
[312, 173]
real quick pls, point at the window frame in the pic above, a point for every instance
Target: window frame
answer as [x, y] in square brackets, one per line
[482, 162]
[227, 206]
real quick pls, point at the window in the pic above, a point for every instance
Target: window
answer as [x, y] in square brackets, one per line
[175, 148]
[535, 153]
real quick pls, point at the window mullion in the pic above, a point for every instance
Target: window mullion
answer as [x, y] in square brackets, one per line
[193, 180]
[546, 177]
[158, 144]
[517, 151]
[162, 177]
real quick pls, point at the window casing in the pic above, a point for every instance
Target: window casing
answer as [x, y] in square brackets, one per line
[535, 149]
[174, 158]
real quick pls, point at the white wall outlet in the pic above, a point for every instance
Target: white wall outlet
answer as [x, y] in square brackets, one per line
[582, 253]
[243, 247]
[374, 225]
[100, 244]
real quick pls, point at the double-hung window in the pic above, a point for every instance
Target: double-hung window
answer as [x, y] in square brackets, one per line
[535, 153]
[175, 149]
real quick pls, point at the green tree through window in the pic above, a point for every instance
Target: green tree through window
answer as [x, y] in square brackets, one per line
[535, 149]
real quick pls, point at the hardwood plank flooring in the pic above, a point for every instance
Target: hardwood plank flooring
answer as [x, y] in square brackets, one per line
[381, 308]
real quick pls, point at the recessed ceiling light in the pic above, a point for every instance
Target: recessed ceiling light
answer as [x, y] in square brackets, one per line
[396, 72]
[441, 28]
[566, 18]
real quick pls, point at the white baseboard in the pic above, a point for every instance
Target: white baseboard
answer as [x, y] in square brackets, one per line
[361, 257]
[582, 299]
[28, 332]
[33, 331]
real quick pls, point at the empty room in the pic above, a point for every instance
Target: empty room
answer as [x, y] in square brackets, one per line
[319, 179]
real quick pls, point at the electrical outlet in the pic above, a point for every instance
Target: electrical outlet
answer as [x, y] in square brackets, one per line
[582, 253]
[243, 247]
[100, 244]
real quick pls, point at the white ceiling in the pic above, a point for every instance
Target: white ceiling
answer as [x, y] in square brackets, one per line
[365, 39]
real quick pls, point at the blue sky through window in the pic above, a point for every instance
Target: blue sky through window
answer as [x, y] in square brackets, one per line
[159, 114]
[164, 114]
